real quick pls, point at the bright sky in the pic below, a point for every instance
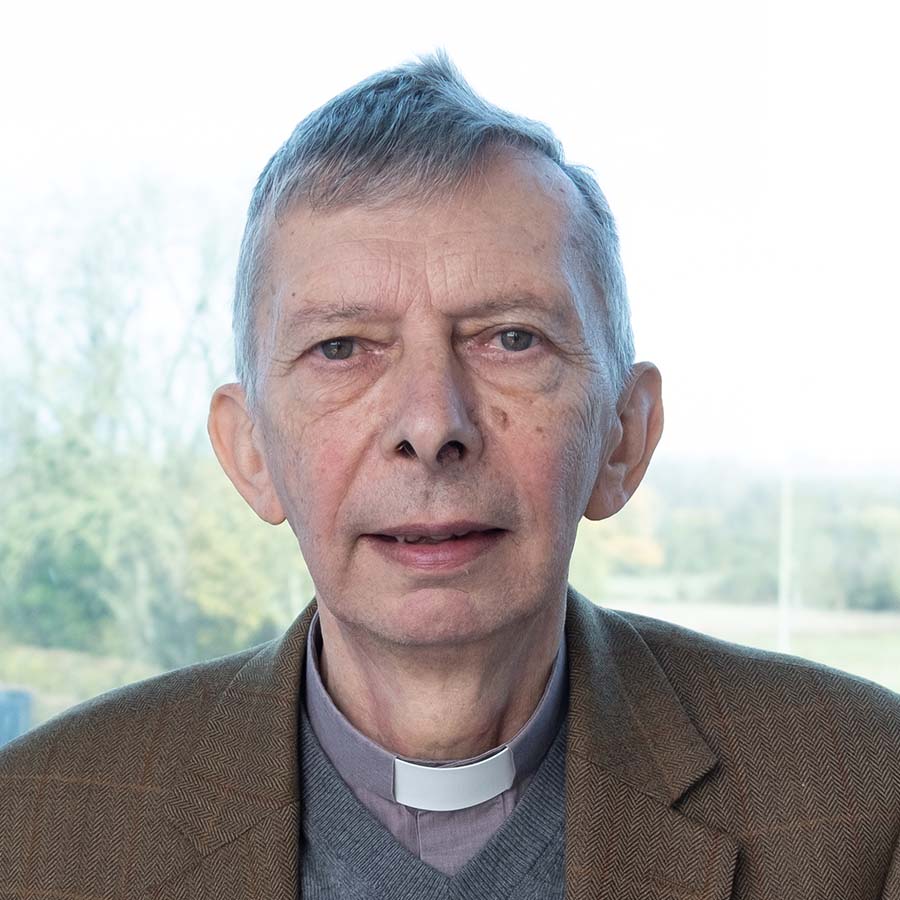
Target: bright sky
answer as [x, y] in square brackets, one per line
[750, 157]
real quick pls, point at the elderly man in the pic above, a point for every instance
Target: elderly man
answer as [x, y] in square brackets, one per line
[436, 384]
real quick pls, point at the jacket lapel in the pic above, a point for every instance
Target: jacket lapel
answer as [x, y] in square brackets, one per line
[239, 789]
[632, 753]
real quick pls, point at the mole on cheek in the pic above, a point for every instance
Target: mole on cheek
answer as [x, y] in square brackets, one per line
[500, 417]
[538, 429]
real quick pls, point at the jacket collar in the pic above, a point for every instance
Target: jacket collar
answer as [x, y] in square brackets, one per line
[242, 768]
[624, 714]
[632, 754]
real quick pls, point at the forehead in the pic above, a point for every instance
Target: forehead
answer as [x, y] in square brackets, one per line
[512, 225]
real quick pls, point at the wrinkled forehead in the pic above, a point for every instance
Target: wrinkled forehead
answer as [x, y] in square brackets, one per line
[514, 224]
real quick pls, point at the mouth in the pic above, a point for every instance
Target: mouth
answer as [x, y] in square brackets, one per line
[434, 532]
[414, 538]
[435, 547]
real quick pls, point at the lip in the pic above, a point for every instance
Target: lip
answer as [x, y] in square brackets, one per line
[445, 556]
[424, 529]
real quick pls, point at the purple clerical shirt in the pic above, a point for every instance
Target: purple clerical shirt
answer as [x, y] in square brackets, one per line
[444, 840]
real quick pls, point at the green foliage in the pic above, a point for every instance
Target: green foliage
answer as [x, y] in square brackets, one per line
[38, 616]
[710, 532]
[849, 558]
[161, 559]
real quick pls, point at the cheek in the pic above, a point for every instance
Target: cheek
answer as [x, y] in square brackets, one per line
[559, 451]
[315, 463]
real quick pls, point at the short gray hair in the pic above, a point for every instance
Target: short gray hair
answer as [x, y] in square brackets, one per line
[410, 132]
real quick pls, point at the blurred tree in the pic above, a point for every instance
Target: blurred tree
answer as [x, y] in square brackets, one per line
[624, 544]
[120, 534]
[847, 546]
[720, 523]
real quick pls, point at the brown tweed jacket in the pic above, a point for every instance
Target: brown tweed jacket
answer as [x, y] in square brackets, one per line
[695, 769]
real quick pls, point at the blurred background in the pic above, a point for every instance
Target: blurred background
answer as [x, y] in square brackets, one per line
[749, 154]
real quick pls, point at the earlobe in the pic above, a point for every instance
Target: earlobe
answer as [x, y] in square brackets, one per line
[231, 432]
[630, 444]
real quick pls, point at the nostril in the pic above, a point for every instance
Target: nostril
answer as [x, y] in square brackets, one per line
[451, 451]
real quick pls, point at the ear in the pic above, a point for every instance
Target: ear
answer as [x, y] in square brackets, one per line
[237, 443]
[630, 443]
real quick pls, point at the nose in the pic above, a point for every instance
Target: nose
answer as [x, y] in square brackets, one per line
[430, 415]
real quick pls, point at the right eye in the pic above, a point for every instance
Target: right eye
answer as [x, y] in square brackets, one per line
[337, 348]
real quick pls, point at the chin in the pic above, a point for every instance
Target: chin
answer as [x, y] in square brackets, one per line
[424, 617]
[442, 616]
[432, 616]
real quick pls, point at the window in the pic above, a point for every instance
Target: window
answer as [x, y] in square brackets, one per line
[751, 167]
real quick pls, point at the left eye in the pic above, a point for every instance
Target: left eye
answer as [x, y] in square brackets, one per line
[516, 339]
[337, 348]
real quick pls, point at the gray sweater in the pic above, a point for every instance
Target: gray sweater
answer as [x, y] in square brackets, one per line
[347, 854]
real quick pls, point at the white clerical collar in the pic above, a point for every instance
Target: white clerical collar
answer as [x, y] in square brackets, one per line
[445, 786]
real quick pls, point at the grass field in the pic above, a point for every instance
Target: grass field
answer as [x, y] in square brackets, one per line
[59, 679]
[865, 644]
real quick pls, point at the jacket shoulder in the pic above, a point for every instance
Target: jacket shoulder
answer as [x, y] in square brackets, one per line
[114, 730]
[761, 674]
[87, 784]
[796, 740]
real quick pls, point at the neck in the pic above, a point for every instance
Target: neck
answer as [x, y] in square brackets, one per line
[440, 703]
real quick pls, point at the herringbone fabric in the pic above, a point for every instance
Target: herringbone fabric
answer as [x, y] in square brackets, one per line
[694, 769]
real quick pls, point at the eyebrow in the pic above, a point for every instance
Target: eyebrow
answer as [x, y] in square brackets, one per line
[519, 300]
[319, 314]
[325, 315]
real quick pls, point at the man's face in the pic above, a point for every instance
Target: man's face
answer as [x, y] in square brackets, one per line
[435, 369]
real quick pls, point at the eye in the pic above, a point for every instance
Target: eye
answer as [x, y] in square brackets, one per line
[516, 339]
[337, 348]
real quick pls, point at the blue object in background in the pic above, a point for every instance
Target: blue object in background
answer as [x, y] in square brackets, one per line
[15, 714]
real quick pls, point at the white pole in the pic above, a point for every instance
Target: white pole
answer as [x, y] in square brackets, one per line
[785, 550]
